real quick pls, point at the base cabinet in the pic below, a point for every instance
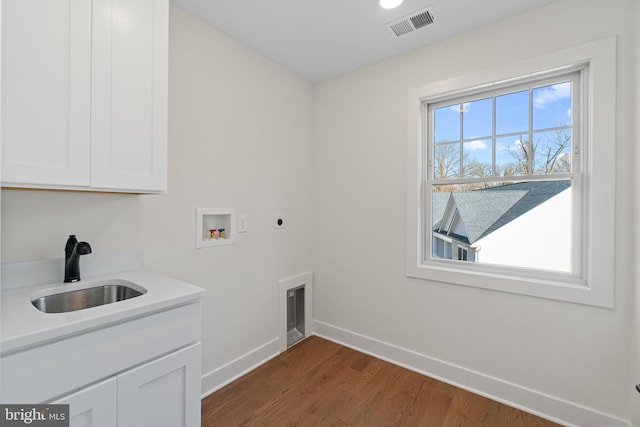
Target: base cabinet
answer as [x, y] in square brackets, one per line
[160, 393]
[94, 406]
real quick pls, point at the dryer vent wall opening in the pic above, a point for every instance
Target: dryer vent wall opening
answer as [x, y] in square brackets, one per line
[295, 310]
[295, 315]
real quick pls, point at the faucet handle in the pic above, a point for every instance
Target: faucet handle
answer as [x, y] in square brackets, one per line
[71, 243]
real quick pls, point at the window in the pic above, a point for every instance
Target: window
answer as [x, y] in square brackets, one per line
[510, 177]
[502, 167]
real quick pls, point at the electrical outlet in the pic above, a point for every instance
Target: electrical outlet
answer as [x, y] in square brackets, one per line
[242, 224]
[278, 222]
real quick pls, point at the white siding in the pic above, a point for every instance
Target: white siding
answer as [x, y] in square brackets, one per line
[543, 235]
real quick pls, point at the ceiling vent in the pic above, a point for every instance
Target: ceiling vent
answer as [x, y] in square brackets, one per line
[415, 21]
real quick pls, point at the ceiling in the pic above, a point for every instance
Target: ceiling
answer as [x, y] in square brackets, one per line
[321, 39]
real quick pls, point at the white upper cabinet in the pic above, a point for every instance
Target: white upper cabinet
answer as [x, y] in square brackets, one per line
[46, 92]
[84, 86]
[129, 94]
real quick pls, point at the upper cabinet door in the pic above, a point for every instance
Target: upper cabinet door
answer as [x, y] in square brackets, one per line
[46, 98]
[129, 95]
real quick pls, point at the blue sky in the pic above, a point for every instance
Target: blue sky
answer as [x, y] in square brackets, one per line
[551, 108]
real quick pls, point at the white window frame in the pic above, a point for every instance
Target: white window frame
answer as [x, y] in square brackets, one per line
[576, 76]
[594, 284]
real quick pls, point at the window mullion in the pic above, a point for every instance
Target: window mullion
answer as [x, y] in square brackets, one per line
[494, 168]
[461, 164]
[531, 148]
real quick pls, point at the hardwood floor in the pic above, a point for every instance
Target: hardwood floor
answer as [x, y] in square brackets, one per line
[320, 383]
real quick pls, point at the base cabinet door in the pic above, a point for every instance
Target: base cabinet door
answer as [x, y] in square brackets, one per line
[94, 406]
[162, 393]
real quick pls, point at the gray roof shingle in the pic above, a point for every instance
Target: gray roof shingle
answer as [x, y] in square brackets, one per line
[486, 210]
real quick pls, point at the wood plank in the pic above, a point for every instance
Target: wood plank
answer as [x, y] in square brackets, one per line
[321, 383]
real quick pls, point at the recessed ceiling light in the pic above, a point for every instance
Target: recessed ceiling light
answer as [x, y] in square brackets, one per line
[389, 4]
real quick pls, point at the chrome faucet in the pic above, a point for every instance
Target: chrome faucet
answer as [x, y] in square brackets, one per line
[72, 251]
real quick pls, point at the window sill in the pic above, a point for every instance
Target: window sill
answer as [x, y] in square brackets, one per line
[569, 290]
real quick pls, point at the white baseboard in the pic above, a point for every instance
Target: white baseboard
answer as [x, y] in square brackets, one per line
[225, 374]
[532, 401]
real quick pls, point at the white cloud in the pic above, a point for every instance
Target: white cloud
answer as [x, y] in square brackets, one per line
[475, 145]
[551, 94]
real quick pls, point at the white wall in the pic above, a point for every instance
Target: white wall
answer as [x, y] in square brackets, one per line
[35, 224]
[635, 337]
[545, 348]
[239, 137]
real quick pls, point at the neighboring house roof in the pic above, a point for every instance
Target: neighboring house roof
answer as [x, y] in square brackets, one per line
[479, 213]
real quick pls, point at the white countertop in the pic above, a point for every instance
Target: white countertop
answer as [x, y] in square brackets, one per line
[22, 325]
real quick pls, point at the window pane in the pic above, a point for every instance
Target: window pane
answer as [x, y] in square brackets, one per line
[477, 158]
[512, 113]
[477, 119]
[552, 106]
[446, 161]
[552, 152]
[512, 155]
[446, 123]
[523, 224]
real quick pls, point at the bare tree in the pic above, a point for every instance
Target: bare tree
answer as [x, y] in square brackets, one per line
[447, 164]
[542, 156]
[475, 169]
[553, 158]
[523, 153]
[446, 161]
